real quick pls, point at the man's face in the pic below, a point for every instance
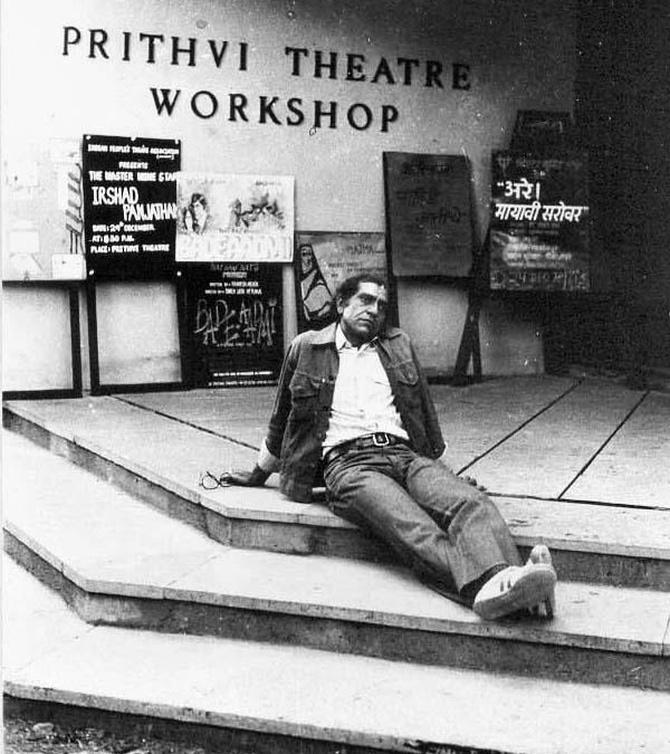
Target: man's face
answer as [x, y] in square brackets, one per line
[362, 316]
[200, 211]
[306, 259]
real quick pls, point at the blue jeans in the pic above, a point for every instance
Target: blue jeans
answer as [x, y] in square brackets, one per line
[443, 528]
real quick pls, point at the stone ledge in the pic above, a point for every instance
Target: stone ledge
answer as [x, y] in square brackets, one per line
[370, 611]
[309, 698]
[604, 544]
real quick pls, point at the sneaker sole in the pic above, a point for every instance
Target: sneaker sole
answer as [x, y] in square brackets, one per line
[530, 589]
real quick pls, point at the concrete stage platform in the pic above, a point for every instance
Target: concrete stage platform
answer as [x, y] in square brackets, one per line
[207, 615]
[581, 465]
[546, 438]
[541, 437]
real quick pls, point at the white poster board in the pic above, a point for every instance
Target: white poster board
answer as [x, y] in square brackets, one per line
[42, 216]
[234, 218]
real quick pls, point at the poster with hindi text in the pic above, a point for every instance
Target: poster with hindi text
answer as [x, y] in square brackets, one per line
[539, 230]
[428, 214]
[234, 218]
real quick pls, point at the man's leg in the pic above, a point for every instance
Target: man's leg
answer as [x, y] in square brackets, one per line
[480, 536]
[444, 528]
[368, 489]
[479, 539]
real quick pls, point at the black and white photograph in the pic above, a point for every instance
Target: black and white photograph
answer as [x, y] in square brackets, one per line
[335, 376]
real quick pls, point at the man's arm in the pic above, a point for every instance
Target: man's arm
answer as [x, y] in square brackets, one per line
[432, 425]
[268, 460]
[254, 478]
[280, 411]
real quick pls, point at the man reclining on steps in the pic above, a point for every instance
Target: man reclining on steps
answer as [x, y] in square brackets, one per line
[353, 403]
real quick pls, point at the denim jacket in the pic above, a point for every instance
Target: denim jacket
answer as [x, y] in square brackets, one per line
[301, 411]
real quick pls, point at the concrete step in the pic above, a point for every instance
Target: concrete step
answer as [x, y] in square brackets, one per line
[293, 699]
[119, 562]
[160, 461]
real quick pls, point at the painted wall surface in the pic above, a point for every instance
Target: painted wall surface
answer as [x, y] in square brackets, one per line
[245, 99]
[510, 336]
[36, 345]
[134, 345]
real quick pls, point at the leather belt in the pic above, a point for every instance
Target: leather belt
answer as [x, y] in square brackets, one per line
[375, 440]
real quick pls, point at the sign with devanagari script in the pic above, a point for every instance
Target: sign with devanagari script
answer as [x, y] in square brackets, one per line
[428, 214]
[539, 230]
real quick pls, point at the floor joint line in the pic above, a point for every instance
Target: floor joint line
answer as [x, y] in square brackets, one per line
[130, 402]
[521, 426]
[576, 501]
[605, 443]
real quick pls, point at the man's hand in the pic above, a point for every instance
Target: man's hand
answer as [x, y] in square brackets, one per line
[254, 478]
[472, 481]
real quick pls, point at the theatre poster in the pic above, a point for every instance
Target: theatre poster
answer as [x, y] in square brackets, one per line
[234, 218]
[43, 214]
[428, 214]
[322, 260]
[539, 230]
[130, 206]
[234, 323]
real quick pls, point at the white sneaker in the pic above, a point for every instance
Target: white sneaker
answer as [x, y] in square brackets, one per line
[515, 588]
[547, 608]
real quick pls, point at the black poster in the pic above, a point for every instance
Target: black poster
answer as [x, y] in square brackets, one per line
[234, 323]
[539, 233]
[130, 206]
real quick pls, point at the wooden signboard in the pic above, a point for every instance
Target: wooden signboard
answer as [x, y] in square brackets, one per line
[428, 214]
[233, 324]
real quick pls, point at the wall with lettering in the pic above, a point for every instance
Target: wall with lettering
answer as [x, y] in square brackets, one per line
[304, 88]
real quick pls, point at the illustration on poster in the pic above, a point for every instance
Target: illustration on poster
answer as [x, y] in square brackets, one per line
[260, 214]
[317, 299]
[195, 216]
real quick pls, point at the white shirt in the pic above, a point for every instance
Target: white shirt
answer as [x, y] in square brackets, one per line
[362, 398]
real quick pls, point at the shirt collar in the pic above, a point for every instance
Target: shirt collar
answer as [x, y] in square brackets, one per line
[341, 341]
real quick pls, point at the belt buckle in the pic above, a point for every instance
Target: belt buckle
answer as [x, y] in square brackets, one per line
[380, 439]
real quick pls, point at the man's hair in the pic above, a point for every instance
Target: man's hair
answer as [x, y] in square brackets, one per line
[199, 199]
[349, 286]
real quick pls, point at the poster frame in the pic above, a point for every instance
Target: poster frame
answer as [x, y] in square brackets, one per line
[76, 391]
[156, 270]
[98, 387]
[187, 277]
[60, 156]
[142, 266]
[572, 160]
[241, 218]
